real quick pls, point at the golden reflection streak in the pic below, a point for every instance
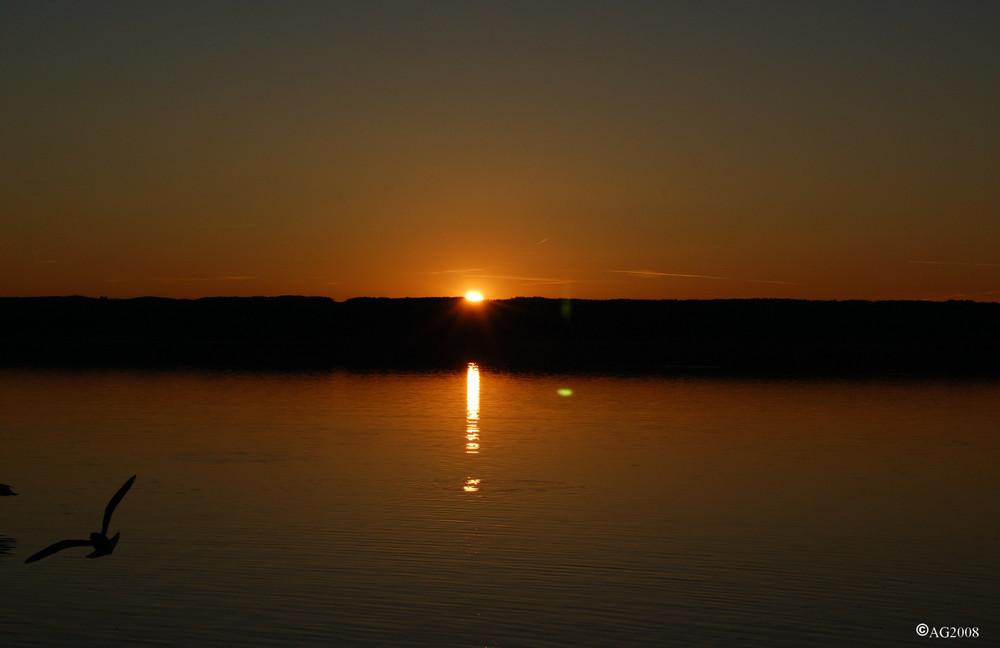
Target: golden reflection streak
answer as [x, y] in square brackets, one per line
[472, 421]
[472, 409]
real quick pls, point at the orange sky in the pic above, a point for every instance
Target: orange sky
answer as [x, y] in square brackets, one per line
[585, 149]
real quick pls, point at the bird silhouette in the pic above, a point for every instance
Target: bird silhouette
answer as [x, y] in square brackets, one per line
[102, 544]
[5, 490]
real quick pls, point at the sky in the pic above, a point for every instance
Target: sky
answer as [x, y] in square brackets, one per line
[621, 149]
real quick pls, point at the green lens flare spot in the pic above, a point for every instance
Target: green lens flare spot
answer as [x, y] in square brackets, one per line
[564, 391]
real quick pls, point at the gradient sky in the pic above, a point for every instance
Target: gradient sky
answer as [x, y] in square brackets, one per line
[819, 149]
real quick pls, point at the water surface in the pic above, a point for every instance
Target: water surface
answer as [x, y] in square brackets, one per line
[475, 508]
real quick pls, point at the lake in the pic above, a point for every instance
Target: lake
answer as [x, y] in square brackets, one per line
[477, 508]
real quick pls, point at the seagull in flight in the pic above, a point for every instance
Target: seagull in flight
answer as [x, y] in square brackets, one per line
[102, 544]
[5, 490]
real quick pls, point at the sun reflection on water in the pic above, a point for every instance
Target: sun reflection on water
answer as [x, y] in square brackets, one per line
[472, 410]
[472, 421]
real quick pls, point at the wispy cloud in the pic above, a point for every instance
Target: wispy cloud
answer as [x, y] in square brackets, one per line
[957, 263]
[652, 274]
[772, 281]
[461, 271]
[478, 273]
[196, 279]
[532, 281]
[217, 226]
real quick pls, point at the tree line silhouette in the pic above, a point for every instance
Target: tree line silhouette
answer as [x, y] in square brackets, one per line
[750, 336]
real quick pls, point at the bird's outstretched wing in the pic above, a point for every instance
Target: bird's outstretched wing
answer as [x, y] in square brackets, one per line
[59, 546]
[117, 497]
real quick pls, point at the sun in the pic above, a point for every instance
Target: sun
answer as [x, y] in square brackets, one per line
[474, 296]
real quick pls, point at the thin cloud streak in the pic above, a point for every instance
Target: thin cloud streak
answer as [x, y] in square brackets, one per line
[197, 279]
[957, 263]
[464, 271]
[772, 281]
[651, 274]
[535, 281]
[473, 273]
[219, 226]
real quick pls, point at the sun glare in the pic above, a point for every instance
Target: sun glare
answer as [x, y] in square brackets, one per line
[474, 296]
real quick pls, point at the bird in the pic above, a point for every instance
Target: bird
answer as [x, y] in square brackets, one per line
[5, 490]
[102, 544]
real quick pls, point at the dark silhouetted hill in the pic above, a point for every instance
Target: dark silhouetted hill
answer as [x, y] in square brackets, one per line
[730, 336]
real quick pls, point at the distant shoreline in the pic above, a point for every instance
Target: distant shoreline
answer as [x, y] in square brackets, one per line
[742, 337]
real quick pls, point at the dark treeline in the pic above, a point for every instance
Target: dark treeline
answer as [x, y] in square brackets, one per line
[725, 336]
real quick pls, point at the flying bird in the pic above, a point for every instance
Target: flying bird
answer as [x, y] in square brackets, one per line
[5, 490]
[102, 544]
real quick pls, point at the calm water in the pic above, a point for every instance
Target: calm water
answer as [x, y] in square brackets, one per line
[475, 508]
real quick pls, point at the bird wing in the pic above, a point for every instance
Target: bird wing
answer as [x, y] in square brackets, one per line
[59, 546]
[117, 497]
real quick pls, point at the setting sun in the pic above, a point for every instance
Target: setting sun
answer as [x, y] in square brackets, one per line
[473, 295]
